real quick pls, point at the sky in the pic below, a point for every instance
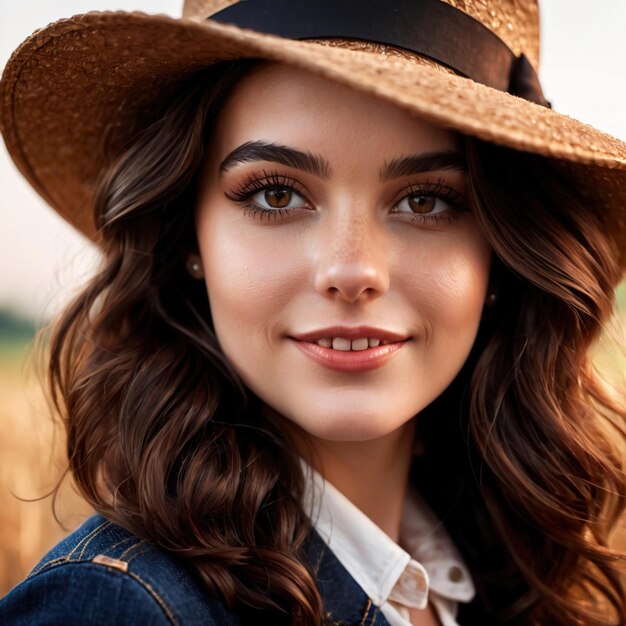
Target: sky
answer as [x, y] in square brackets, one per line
[43, 260]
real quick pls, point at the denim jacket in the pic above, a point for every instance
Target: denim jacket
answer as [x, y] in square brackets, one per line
[104, 575]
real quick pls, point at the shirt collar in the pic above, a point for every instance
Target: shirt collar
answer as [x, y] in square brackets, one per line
[382, 568]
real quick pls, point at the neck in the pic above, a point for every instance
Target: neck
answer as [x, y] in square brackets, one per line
[372, 474]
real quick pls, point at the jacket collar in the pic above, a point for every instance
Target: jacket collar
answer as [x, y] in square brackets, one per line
[343, 598]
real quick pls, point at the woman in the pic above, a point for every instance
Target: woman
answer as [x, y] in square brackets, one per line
[334, 367]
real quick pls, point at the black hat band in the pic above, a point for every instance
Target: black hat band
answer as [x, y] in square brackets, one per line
[430, 28]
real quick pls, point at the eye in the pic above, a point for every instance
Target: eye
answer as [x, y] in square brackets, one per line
[269, 196]
[422, 204]
[431, 202]
[277, 197]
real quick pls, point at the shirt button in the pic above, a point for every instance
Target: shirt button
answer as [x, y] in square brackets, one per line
[455, 574]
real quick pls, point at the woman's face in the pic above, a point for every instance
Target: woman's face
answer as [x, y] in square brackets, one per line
[330, 216]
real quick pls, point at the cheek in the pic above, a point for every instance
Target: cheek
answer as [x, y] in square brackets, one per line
[250, 276]
[462, 283]
[448, 285]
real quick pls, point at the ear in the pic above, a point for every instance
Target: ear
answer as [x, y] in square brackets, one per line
[194, 266]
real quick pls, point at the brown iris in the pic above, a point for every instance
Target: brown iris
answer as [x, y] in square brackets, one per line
[421, 203]
[277, 197]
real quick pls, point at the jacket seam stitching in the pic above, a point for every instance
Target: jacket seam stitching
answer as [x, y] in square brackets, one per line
[65, 558]
[140, 552]
[119, 543]
[319, 562]
[86, 540]
[155, 595]
[92, 536]
[127, 554]
[147, 548]
[151, 591]
[36, 570]
[367, 610]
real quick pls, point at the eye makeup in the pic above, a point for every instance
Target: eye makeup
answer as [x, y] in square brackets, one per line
[429, 202]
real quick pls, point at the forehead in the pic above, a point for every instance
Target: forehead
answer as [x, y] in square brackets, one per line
[295, 107]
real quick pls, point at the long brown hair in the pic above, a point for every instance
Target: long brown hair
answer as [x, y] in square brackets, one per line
[531, 476]
[164, 439]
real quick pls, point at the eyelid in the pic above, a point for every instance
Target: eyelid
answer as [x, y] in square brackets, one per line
[259, 181]
[294, 195]
[436, 187]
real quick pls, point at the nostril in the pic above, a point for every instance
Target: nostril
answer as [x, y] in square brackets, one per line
[354, 294]
[352, 282]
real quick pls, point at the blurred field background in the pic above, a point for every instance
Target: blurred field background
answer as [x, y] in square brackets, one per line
[33, 455]
[33, 459]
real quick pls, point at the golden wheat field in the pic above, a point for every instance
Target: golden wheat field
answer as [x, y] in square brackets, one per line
[32, 457]
[31, 453]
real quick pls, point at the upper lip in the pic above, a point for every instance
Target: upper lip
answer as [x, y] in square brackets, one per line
[351, 332]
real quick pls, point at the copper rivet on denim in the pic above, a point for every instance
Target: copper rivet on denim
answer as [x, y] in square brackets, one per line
[102, 559]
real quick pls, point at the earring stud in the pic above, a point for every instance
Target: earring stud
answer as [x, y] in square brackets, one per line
[492, 298]
[194, 267]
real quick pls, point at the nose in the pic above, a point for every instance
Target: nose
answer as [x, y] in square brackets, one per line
[352, 263]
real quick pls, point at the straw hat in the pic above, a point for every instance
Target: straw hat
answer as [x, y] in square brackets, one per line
[77, 89]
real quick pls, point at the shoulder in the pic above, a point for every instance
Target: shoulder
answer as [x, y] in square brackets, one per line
[103, 574]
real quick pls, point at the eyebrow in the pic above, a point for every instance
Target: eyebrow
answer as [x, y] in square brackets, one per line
[318, 166]
[263, 151]
[418, 163]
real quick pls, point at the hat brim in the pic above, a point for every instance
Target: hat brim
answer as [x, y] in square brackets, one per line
[75, 91]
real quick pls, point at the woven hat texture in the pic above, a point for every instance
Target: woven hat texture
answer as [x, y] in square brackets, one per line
[74, 93]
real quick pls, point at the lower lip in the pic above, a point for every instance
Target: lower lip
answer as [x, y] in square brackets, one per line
[350, 360]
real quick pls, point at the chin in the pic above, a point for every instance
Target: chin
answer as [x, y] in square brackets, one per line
[355, 427]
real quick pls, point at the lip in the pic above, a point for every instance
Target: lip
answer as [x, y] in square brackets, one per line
[353, 360]
[353, 332]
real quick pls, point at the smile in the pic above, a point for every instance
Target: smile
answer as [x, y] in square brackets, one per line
[344, 344]
[350, 348]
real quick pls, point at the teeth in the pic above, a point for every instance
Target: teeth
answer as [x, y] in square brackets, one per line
[345, 345]
[339, 343]
[360, 343]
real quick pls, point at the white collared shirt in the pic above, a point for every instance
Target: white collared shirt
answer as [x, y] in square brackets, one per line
[393, 578]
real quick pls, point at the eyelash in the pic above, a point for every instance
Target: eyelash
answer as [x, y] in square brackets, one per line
[272, 180]
[440, 190]
[253, 184]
